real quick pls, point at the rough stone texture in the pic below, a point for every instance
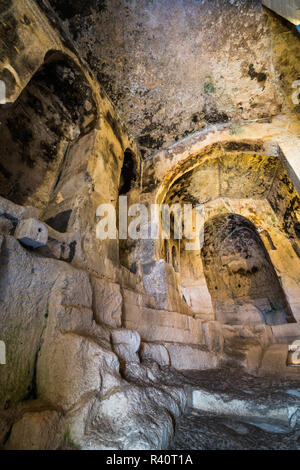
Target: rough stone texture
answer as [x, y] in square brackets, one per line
[25, 286]
[122, 421]
[73, 371]
[75, 355]
[198, 70]
[239, 411]
[170, 76]
[76, 290]
[288, 9]
[39, 128]
[36, 431]
[155, 352]
[213, 336]
[241, 290]
[135, 300]
[247, 408]
[155, 283]
[264, 334]
[261, 334]
[32, 233]
[161, 325]
[274, 363]
[107, 302]
[184, 357]
[54, 135]
[241, 351]
[160, 282]
[136, 414]
[197, 296]
[16, 212]
[130, 338]
[126, 344]
[286, 334]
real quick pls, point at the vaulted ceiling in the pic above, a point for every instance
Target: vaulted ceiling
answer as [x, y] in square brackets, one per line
[173, 67]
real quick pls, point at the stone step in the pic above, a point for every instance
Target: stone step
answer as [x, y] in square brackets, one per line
[129, 280]
[131, 297]
[189, 357]
[161, 325]
[180, 356]
[243, 352]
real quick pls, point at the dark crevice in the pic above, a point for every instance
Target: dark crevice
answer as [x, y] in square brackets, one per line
[128, 173]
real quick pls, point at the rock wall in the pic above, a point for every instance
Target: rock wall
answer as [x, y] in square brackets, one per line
[96, 331]
[55, 109]
[62, 386]
[240, 276]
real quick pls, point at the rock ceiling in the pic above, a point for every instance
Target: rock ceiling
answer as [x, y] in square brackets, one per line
[172, 67]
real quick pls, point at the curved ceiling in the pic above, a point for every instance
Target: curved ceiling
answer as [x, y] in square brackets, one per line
[236, 176]
[240, 176]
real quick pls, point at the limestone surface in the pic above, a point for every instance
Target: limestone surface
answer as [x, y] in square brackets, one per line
[118, 342]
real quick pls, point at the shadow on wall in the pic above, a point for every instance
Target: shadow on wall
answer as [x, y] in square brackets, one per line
[128, 173]
[240, 276]
[129, 180]
[55, 109]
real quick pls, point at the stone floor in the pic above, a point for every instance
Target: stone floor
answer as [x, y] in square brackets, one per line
[205, 430]
[198, 430]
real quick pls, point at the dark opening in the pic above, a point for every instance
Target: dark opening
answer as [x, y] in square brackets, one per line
[297, 230]
[174, 258]
[240, 276]
[128, 173]
[55, 109]
[60, 221]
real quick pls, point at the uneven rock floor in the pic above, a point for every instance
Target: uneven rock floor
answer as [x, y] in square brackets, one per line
[205, 430]
[198, 430]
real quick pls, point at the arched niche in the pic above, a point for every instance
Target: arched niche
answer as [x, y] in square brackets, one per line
[129, 180]
[250, 184]
[128, 173]
[55, 110]
[240, 277]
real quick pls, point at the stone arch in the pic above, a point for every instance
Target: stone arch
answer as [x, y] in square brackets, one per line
[240, 276]
[259, 138]
[270, 165]
[54, 110]
[277, 229]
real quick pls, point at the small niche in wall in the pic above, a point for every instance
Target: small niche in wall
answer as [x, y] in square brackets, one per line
[297, 230]
[166, 251]
[247, 288]
[128, 173]
[60, 221]
[174, 259]
[54, 109]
